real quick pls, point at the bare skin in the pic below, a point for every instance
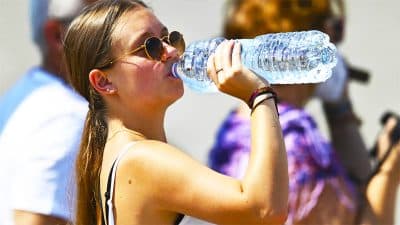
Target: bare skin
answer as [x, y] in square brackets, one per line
[25, 217]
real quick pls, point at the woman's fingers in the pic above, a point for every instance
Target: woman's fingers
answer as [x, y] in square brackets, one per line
[230, 76]
[219, 54]
[215, 64]
[221, 64]
[211, 69]
[236, 59]
[227, 51]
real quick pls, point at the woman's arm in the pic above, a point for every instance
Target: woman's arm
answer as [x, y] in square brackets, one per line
[344, 127]
[266, 178]
[30, 218]
[174, 182]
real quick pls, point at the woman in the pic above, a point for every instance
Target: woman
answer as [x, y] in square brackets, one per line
[119, 57]
[321, 191]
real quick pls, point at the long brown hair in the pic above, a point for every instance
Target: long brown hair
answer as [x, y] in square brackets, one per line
[87, 46]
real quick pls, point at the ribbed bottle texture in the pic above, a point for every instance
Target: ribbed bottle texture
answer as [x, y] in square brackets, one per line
[281, 58]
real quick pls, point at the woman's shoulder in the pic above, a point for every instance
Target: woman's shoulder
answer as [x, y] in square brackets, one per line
[149, 147]
[150, 157]
[150, 166]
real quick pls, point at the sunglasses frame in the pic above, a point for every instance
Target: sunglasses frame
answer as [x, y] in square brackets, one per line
[165, 39]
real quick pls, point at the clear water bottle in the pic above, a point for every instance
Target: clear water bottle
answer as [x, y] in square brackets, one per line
[280, 58]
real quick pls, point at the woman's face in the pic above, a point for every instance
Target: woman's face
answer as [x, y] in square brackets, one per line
[137, 78]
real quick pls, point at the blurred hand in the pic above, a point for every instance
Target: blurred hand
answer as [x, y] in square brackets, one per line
[384, 140]
[228, 73]
[392, 163]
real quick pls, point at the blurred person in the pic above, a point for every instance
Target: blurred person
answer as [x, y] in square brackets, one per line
[323, 187]
[344, 124]
[119, 56]
[41, 121]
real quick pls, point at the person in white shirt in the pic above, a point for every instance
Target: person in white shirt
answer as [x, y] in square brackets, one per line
[41, 121]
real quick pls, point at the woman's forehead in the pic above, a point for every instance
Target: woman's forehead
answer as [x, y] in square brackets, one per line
[136, 23]
[139, 21]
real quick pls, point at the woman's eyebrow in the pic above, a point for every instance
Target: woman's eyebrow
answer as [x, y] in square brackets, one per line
[138, 40]
[164, 32]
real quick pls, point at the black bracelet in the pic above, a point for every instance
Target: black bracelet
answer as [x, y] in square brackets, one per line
[258, 92]
[271, 96]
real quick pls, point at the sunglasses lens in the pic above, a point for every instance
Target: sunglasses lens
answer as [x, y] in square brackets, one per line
[154, 48]
[177, 41]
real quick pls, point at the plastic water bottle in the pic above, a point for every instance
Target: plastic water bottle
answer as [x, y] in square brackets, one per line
[280, 58]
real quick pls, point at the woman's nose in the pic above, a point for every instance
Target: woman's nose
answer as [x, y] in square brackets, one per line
[169, 52]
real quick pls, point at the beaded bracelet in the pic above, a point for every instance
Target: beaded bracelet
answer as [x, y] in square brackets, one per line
[258, 92]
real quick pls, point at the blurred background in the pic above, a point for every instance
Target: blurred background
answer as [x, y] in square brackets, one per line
[371, 42]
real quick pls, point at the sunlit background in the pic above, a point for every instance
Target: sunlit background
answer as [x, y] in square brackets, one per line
[371, 42]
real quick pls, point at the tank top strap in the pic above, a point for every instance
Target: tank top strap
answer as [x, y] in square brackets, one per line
[188, 220]
[109, 194]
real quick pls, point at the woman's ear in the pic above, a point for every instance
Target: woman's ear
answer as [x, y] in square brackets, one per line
[98, 79]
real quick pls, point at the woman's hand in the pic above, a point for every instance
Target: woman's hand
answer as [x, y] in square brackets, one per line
[228, 73]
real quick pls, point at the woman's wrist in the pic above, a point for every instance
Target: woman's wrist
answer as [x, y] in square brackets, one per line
[258, 92]
[262, 98]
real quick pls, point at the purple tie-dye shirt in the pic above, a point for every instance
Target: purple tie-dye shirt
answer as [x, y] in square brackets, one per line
[311, 159]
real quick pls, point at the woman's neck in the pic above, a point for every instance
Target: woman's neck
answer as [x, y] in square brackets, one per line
[137, 129]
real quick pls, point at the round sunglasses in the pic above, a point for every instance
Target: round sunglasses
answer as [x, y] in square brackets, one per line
[154, 48]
